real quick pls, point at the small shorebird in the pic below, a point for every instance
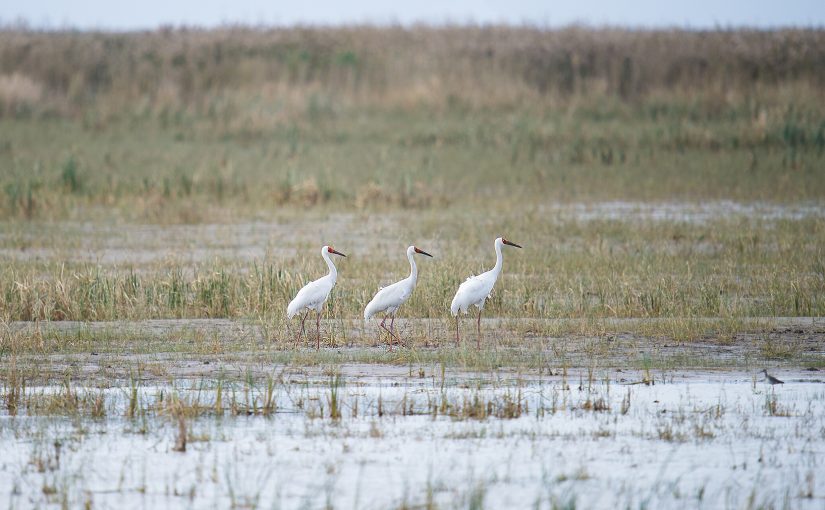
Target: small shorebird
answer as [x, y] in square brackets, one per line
[771, 379]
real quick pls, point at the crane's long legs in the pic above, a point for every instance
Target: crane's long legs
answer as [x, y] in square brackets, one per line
[457, 337]
[389, 340]
[390, 331]
[478, 329]
[301, 333]
[318, 330]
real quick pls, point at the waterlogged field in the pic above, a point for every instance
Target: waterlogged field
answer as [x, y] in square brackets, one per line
[384, 436]
[164, 195]
[619, 365]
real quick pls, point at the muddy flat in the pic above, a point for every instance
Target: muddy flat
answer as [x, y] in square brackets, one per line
[192, 348]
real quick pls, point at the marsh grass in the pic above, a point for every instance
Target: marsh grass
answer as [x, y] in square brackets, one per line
[14, 387]
[728, 269]
[773, 407]
[65, 399]
[181, 402]
[133, 409]
[771, 349]
[365, 162]
[336, 383]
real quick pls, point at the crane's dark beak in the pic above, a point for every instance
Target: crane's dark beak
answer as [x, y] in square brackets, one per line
[422, 252]
[336, 252]
[505, 241]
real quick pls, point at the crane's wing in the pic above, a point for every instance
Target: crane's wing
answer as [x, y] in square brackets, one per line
[400, 292]
[473, 290]
[474, 285]
[393, 295]
[310, 295]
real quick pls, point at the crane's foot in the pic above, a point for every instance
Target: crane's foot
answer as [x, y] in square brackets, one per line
[392, 339]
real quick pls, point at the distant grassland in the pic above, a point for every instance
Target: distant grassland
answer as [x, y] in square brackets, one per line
[188, 126]
[220, 71]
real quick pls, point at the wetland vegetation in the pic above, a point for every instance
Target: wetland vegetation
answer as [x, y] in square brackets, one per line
[164, 194]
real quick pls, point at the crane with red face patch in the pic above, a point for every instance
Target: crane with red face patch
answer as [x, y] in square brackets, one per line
[476, 289]
[314, 295]
[390, 298]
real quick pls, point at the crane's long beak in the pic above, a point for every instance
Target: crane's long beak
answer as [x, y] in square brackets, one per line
[422, 252]
[337, 252]
[511, 243]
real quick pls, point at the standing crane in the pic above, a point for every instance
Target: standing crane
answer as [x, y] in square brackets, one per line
[476, 289]
[390, 298]
[314, 295]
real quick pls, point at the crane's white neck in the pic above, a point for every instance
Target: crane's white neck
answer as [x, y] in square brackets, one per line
[333, 272]
[499, 258]
[413, 268]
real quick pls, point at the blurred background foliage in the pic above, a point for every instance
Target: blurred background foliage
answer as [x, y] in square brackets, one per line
[185, 125]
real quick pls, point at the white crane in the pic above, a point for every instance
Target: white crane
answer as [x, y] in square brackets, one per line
[314, 294]
[476, 289]
[390, 298]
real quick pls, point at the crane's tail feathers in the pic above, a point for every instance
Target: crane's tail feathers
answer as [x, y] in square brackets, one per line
[292, 310]
[370, 310]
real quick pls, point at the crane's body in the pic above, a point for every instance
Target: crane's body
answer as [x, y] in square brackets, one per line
[476, 289]
[390, 298]
[314, 295]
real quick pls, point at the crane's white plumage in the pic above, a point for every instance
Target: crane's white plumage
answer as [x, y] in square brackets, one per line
[476, 289]
[391, 297]
[314, 294]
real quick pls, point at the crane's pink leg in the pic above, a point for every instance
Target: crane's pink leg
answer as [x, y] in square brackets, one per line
[392, 330]
[457, 338]
[389, 341]
[478, 329]
[301, 334]
[318, 330]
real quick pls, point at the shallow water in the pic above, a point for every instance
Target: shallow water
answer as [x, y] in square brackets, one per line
[143, 244]
[688, 212]
[710, 439]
